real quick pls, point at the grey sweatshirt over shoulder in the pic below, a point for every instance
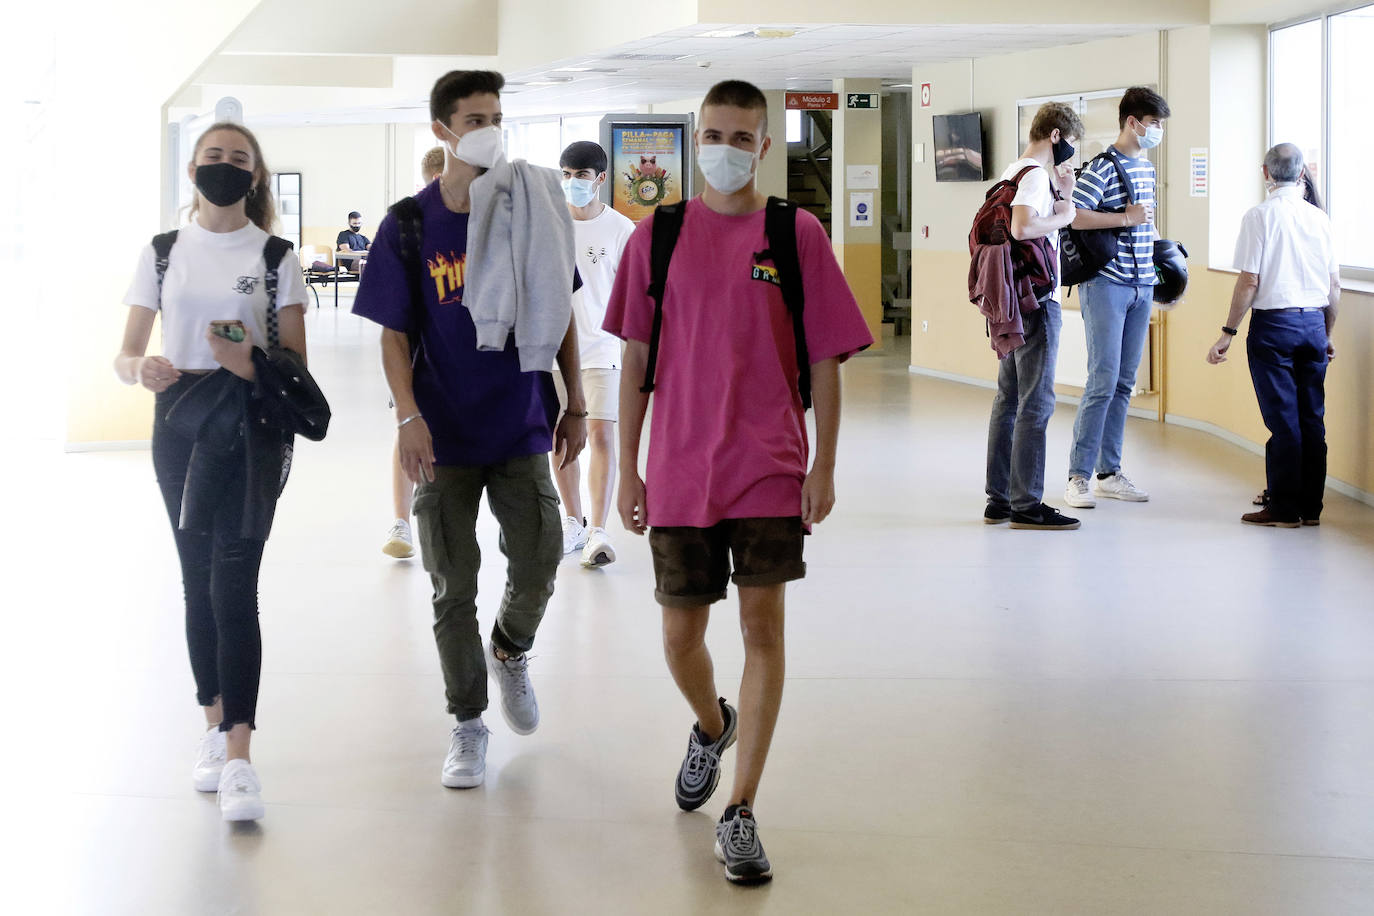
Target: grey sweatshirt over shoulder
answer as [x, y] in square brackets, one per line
[520, 262]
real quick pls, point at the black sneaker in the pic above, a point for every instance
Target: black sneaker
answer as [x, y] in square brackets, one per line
[994, 515]
[1043, 518]
[738, 847]
[700, 770]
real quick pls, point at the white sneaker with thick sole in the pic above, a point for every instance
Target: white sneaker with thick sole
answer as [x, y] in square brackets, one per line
[240, 793]
[574, 535]
[400, 543]
[1077, 494]
[598, 551]
[465, 767]
[1118, 486]
[518, 705]
[210, 758]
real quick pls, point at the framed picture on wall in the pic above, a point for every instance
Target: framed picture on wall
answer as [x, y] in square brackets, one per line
[650, 161]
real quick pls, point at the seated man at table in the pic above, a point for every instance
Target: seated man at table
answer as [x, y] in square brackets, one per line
[352, 245]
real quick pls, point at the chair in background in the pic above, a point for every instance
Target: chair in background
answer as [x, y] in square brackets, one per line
[317, 267]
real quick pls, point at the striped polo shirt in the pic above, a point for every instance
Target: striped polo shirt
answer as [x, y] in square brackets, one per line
[1100, 188]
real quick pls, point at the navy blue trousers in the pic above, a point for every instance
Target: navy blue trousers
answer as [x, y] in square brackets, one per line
[1287, 353]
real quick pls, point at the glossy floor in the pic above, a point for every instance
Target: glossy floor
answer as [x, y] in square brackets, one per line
[1164, 712]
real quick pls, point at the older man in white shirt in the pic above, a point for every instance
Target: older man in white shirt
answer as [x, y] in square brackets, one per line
[1290, 279]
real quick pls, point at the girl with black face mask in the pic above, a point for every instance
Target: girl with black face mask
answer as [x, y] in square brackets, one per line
[214, 270]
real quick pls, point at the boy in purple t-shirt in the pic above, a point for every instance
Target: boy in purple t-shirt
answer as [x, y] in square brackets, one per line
[471, 421]
[727, 478]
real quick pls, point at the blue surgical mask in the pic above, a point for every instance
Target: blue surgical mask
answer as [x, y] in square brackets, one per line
[579, 191]
[1154, 135]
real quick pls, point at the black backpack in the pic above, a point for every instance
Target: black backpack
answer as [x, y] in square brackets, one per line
[273, 252]
[780, 228]
[1084, 252]
[410, 226]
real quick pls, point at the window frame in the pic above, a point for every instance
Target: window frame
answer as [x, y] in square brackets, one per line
[1360, 275]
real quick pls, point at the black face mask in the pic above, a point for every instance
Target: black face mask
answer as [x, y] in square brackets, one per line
[223, 183]
[1063, 151]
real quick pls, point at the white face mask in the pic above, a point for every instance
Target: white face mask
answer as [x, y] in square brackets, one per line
[1154, 135]
[480, 147]
[726, 168]
[579, 191]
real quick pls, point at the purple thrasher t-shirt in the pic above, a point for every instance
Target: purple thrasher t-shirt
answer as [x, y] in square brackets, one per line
[480, 408]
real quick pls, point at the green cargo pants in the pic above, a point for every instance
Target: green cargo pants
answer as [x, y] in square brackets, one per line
[521, 495]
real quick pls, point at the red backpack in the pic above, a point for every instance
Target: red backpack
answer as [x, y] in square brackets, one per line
[992, 226]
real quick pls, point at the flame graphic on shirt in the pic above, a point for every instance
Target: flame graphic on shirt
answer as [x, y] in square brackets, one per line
[448, 273]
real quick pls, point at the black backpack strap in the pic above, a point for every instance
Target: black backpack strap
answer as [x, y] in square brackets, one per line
[410, 227]
[780, 225]
[162, 252]
[1115, 156]
[273, 252]
[666, 228]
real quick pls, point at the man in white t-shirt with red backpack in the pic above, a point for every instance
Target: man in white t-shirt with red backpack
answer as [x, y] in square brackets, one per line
[600, 233]
[1025, 377]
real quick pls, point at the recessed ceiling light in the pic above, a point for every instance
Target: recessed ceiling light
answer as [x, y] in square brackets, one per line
[724, 33]
[571, 69]
[774, 33]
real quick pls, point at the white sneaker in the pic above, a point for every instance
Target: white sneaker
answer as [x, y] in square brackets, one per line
[399, 541]
[1118, 486]
[598, 551]
[466, 764]
[518, 705]
[210, 759]
[240, 793]
[574, 535]
[1076, 494]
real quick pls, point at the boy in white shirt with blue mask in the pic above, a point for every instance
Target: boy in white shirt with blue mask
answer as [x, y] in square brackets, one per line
[600, 233]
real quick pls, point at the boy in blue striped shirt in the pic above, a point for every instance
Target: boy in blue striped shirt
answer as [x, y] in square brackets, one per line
[1116, 302]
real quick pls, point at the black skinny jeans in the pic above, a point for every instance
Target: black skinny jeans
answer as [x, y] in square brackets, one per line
[219, 574]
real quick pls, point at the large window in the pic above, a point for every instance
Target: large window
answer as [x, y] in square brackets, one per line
[1320, 96]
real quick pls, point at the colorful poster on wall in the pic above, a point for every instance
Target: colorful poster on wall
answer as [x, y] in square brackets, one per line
[647, 166]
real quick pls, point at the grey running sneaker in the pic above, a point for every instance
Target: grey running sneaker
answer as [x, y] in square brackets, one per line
[466, 764]
[738, 847]
[700, 770]
[518, 705]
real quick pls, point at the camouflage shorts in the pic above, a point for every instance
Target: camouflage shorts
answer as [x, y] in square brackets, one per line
[692, 566]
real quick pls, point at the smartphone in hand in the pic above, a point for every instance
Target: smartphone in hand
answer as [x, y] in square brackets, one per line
[229, 330]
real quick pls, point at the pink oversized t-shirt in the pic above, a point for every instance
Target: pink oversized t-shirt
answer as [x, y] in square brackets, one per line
[728, 436]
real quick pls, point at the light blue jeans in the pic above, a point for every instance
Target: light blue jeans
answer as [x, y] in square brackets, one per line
[1116, 320]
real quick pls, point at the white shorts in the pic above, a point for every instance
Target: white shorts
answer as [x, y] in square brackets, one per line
[601, 388]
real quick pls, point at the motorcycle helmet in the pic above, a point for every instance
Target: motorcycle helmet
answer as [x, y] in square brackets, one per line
[1171, 267]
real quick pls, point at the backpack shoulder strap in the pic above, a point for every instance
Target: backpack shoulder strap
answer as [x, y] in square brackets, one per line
[410, 225]
[666, 228]
[273, 251]
[1115, 158]
[162, 252]
[780, 225]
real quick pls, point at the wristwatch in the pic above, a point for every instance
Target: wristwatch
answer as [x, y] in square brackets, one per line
[1229, 332]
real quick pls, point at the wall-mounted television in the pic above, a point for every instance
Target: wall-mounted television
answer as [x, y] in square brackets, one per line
[959, 147]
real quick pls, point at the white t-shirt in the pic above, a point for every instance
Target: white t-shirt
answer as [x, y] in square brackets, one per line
[1287, 242]
[212, 276]
[600, 242]
[1034, 192]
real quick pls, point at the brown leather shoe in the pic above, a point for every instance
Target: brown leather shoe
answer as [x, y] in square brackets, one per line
[1265, 518]
[1311, 522]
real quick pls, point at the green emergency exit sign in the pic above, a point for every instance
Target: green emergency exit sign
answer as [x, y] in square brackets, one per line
[861, 100]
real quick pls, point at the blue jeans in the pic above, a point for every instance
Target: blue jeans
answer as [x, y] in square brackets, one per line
[1116, 320]
[1287, 353]
[1020, 413]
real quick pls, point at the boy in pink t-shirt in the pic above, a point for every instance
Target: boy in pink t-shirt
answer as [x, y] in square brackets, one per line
[727, 482]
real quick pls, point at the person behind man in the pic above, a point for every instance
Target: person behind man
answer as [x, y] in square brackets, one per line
[601, 234]
[1290, 283]
[351, 246]
[727, 483]
[1116, 303]
[400, 540]
[1025, 378]
[469, 421]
